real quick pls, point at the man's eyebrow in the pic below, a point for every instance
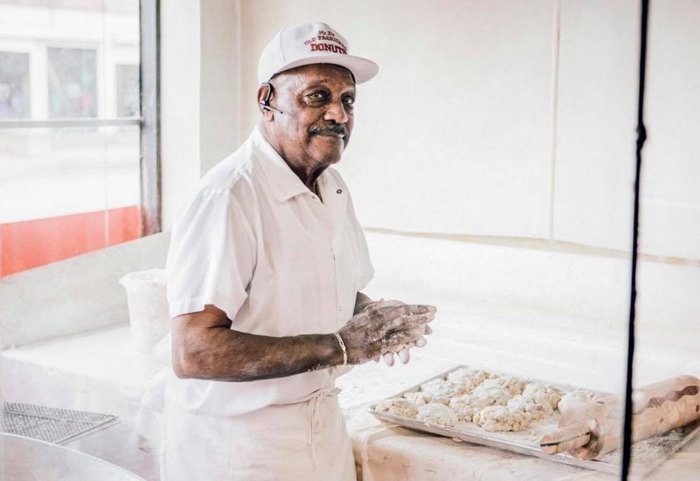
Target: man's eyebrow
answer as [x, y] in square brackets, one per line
[324, 83]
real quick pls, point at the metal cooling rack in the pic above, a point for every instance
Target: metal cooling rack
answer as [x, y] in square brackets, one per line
[52, 425]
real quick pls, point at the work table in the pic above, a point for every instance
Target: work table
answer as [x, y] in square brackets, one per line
[128, 383]
[386, 452]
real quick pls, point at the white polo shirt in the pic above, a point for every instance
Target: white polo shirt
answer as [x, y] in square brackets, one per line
[258, 244]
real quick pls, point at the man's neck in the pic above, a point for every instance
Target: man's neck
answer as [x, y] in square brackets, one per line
[307, 175]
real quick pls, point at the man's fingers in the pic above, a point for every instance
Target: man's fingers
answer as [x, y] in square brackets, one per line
[404, 356]
[404, 323]
[389, 309]
[400, 340]
[389, 303]
[378, 304]
[393, 311]
[388, 358]
[421, 342]
[428, 330]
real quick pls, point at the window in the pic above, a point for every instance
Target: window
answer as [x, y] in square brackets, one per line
[14, 85]
[72, 82]
[78, 157]
[128, 104]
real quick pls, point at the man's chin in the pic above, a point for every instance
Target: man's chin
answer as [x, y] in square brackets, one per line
[331, 159]
[329, 140]
[327, 150]
[330, 156]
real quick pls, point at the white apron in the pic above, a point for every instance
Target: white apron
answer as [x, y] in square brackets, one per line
[304, 441]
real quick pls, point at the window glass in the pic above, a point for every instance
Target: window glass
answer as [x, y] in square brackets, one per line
[14, 85]
[128, 103]
[72, 82]
[67, 190]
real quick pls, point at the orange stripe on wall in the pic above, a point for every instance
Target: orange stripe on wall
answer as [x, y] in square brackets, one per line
[33, 243]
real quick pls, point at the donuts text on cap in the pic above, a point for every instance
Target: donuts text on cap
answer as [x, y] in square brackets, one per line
[307, 44]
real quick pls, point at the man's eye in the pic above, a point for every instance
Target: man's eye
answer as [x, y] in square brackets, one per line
[349, 101]
[317, 96]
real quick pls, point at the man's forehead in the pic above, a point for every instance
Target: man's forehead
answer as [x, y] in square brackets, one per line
[316, 74]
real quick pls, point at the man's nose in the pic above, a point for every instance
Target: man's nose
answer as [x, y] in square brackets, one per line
[336, 112]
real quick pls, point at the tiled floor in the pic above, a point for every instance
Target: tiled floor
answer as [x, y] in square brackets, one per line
[119, 445]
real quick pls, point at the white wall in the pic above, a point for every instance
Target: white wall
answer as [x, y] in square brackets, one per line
[506, 130]
[53, 300]
[460, 110]
[481, 122]
[220, 69]
[199, 93]
[180, 100]
[671, 215]
[596, 120]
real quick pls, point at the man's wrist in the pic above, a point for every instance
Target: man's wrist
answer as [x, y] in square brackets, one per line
[327, 351]
[343, 348]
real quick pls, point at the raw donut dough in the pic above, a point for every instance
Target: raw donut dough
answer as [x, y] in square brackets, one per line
[398, 407]
[500, 418]
[580, 396]
[419, 398]
[438, 414]
[543, 394]
[490, 393]
[463, 407]
[440, 390]
[513, 385]
[495, 403]
[466, 380]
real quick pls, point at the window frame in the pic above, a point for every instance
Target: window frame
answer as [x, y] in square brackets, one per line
[150, 162]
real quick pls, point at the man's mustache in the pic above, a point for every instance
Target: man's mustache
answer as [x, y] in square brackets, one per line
[334, 130]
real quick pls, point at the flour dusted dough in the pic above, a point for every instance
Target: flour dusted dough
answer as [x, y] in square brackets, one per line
[580, 396]
[490, 393]
[440, 390]
[398, 407]
[514, 385]
[419, 398]
[463, 407]
[466, 380]
[437, 414]
[495, 403]
[543, 394]
[500, 418]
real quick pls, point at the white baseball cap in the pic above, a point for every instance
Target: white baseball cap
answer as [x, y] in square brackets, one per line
[311, 43]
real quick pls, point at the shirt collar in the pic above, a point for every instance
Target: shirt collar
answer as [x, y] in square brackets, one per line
[285, 183]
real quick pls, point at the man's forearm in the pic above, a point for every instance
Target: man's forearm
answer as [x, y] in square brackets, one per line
[222, 354]
[205, 346]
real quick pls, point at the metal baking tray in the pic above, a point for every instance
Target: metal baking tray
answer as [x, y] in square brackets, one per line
[647, 455]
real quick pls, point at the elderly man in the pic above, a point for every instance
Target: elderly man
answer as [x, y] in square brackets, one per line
[266, 268]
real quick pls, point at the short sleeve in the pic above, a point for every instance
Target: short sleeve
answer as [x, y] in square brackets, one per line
[212, 255]
[365, 270]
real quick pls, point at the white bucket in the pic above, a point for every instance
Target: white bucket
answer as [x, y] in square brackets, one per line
[148, 307]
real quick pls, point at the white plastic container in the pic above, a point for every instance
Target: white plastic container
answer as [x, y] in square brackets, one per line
[148, 307]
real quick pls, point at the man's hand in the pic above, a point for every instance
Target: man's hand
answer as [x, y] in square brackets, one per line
[385, 327]
[404, 354]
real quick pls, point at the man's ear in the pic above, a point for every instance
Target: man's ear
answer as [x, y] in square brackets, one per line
[265, 94]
